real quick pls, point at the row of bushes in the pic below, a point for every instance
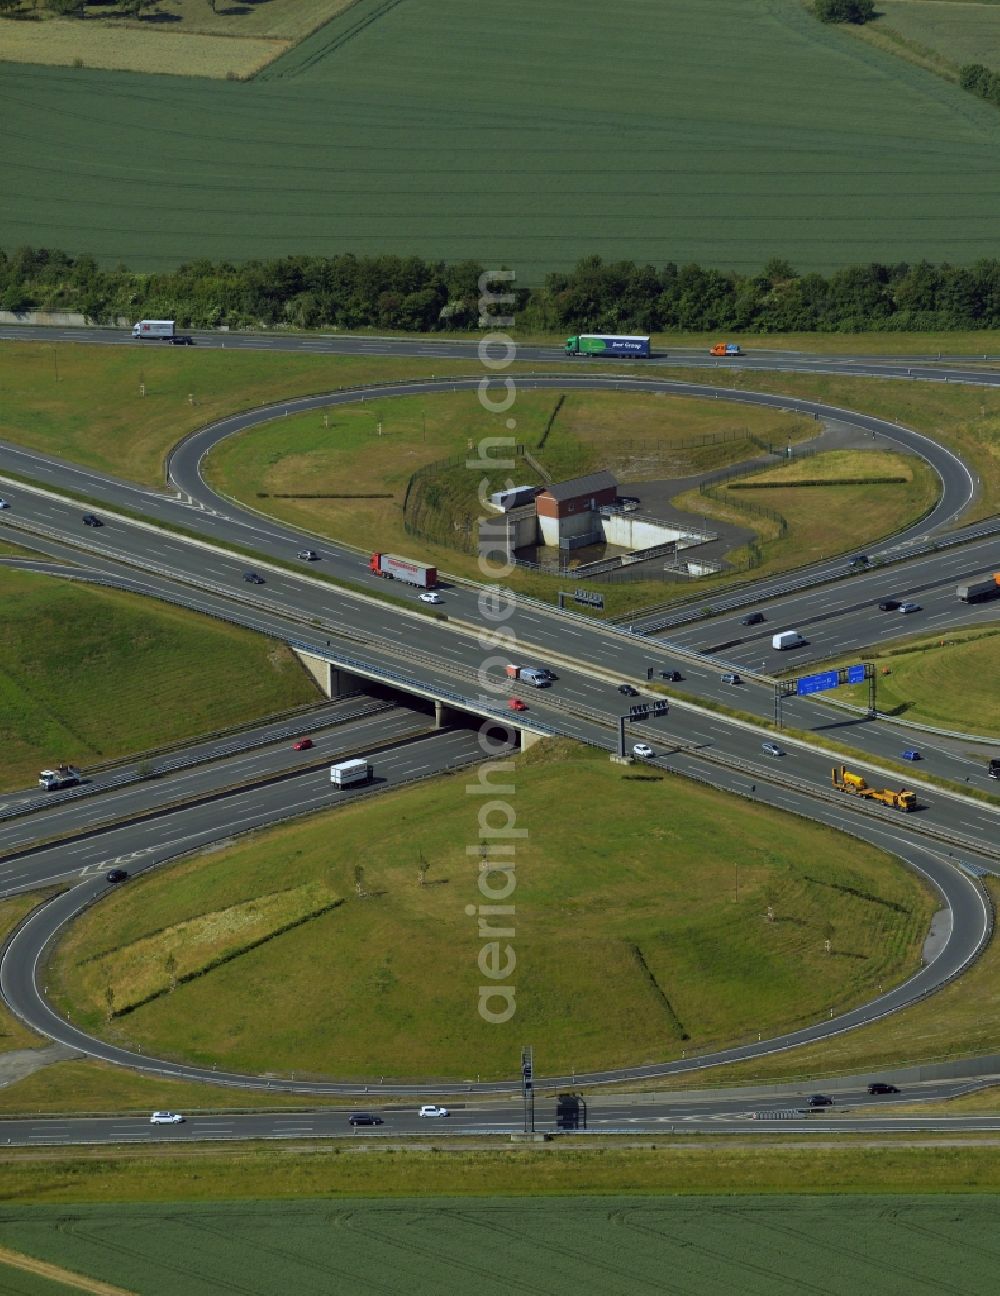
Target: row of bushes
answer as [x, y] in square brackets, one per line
[409, 294]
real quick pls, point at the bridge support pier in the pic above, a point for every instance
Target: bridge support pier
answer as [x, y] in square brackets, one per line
[332, 679]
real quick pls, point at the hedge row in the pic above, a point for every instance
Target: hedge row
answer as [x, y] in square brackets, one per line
[407, 293]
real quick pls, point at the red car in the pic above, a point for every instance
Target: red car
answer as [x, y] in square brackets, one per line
[303, 744]
[516, 704]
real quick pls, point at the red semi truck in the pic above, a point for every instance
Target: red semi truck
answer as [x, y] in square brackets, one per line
[410, 572]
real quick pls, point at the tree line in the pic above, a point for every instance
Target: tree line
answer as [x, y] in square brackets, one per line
[410, 294]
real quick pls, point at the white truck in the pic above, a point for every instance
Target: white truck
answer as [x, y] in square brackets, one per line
[348, 773]
[63, 776]
[787, 639]
[160, 331]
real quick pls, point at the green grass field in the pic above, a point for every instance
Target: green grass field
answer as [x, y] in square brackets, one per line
[966, 419]
[938, 680]
[642, 910]
[886, 1245]
[637, 437]
[823, 520]
[89, 674]
[962, 1020]
[726, 134]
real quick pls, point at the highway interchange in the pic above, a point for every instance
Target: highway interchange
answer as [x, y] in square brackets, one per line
[421, 654]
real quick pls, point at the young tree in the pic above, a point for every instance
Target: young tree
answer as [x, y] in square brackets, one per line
[359, 879]
[422, 867]
[109, 999]
[170, 965]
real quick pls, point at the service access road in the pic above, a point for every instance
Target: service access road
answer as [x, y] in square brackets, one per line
[751, 1113]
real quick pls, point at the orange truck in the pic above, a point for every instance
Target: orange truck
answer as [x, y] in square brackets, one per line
[845, 781]
[726, 349]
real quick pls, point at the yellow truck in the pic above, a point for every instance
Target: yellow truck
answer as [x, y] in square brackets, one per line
[845, 781]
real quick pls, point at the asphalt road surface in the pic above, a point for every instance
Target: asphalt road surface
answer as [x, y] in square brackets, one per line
[755, 1112]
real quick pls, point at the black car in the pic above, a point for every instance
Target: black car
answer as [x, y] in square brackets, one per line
[91, 519]
[252, 578]
[753, 618]
[889, 605]
[862, 560]
[182, 339]
[820, 1100]
[116, 875]
[364, 1118]
[993, 769]
[628, 690]
[674, 677]
[880, 1088]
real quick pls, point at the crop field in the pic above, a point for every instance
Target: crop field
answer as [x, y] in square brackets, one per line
[957, 31]
[726, 134]
[649, 912]
[139, 674]
[499, 1246]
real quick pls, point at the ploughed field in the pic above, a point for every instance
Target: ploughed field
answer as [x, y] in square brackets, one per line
[726, 134]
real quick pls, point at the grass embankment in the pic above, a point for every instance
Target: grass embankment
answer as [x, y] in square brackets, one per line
[671, 1166]
[962, 1020]
[937, 680]
[821, 519]
[965, 419]
[548, 1238]
[643, 911]
[90, 674]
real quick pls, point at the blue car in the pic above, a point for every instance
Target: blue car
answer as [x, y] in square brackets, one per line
[911, 753]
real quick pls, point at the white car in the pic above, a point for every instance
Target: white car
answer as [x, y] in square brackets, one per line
[910, 607]
[165, 1118]
[430, 597]
[308, 555]
[4, 504]
[643, 750]
[431, 1109]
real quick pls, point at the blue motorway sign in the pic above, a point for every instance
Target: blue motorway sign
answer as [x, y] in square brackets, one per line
[855, 674]
[816, 683]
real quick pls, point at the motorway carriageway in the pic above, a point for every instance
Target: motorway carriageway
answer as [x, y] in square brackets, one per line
[854, 1111]
[367, 736]
[428, 652]
[137, 846]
